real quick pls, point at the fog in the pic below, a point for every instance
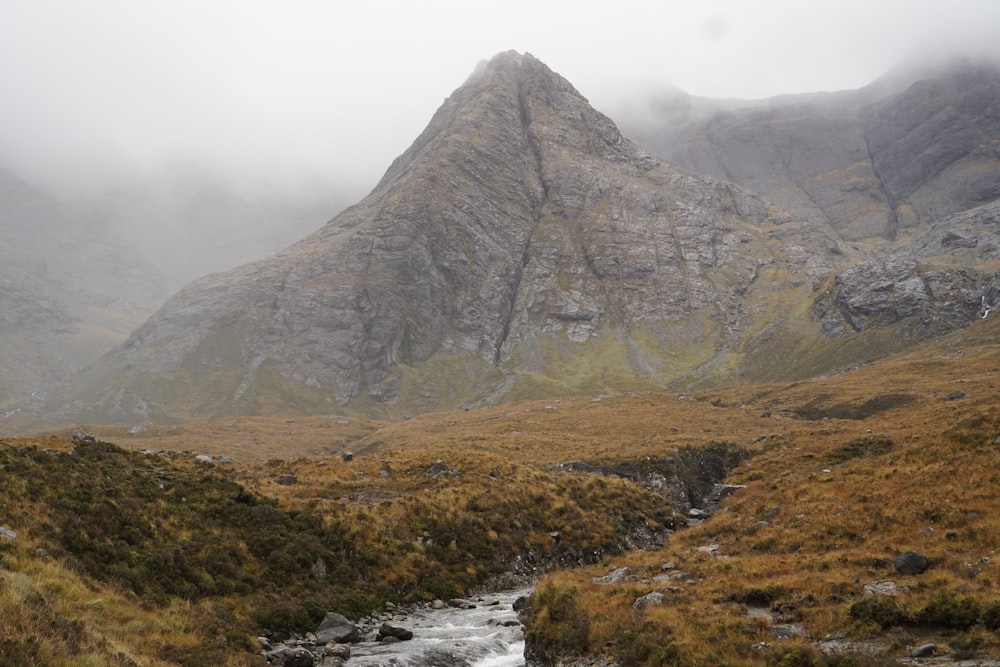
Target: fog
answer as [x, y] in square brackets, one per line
[133, 104]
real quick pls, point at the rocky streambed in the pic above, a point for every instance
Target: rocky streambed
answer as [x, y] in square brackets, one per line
[481, 631]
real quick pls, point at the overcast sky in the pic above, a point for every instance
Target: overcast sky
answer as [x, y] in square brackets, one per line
[283, 89]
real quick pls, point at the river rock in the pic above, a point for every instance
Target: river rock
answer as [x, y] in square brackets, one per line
[395, 632]
[338, 629]
[299, 657]
[342, 651]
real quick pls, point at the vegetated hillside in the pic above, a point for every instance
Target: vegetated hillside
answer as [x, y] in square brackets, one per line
[800, 566]
[153, 559]
[523, 248]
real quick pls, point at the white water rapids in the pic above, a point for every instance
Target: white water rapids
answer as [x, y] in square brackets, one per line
[453, 637]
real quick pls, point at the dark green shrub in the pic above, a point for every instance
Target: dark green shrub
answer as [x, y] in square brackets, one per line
[859, 447]
[951, 612]
[878, 610]
[990, 615]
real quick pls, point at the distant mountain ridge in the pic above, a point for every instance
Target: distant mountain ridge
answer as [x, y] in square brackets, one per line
[912, 147]
[68, 293]
[523, 247]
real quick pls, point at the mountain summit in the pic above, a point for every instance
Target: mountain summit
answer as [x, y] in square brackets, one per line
[520, 247]
[520, 231]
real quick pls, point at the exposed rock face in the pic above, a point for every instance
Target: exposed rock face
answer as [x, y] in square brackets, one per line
[523, 246]
[518, 228]
[905, 151]
[936, 277]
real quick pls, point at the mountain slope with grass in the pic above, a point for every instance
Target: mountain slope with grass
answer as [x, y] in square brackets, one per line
[522, 248]
[142, 553]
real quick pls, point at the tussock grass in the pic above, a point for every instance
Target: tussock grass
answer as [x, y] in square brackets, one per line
[157, 559]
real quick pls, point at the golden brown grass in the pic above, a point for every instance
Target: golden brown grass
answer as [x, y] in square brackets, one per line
[898, 455]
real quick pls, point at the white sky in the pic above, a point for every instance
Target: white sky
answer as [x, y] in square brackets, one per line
[277, 89]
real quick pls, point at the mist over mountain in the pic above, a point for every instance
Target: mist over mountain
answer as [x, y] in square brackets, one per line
[69, 290]
[83, 267]
[522, 247]
[918, 144]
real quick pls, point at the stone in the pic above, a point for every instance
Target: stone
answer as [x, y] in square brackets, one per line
[617, 576]
[924, 651]
[388, 630]
[204, 458]
[336, 628]
[342, 651]
[7, 534]
[911, 563]
[648, 600]
[786, 631]
[881, 588]
[299, 657]
[287, 480]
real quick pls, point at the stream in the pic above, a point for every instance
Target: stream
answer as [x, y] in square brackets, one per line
[453, 637]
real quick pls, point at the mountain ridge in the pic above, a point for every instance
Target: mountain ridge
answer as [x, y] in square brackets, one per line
[523, 247]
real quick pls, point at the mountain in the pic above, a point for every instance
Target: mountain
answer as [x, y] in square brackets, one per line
[880, 162]
[523, 247]
[68, 291]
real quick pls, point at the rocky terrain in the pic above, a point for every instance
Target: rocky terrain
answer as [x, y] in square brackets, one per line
[524, 247]
[857, 523]
[917, 145]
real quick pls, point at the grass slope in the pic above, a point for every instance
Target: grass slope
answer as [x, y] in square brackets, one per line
[131, 558]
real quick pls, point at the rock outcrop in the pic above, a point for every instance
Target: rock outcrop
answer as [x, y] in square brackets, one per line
[522, 246]
[879, 162]
[520, 231]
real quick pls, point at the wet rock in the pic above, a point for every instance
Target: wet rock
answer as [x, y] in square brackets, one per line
[299, 657]
[389, 631]
[336, 628]
[342, 651]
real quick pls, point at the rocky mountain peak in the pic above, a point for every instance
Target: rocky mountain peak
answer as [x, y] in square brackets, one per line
[519, 231]
[523, 247]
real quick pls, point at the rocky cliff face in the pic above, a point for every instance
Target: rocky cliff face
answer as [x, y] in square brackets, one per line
[877, 162]
[901, 177]
[523, 247]
[519, 232]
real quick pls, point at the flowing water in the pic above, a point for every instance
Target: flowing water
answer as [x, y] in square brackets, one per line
[453, 637]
